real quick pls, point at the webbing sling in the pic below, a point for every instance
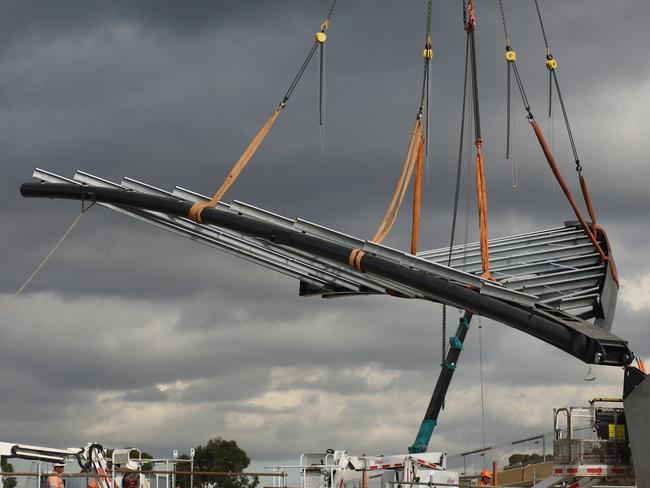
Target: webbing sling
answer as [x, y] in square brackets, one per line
[481, 194]
[319, 40]
[197, 208]
[418, 150]
[414, 161]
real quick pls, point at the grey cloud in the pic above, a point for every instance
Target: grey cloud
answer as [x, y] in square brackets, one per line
[131, 336]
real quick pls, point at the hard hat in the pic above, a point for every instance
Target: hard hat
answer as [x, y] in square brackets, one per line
[58, 465]
[486, 474]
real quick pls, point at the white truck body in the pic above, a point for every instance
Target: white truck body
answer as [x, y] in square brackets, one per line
[336, 469]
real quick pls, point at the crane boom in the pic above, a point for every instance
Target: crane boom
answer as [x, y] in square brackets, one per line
[421, 443]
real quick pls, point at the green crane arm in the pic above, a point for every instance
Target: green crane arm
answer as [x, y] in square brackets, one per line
[421, 443]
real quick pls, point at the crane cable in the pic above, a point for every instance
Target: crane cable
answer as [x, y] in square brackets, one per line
[551, 65]
[469, 21]
[319, 40]
[459, 165]
[551, 62]
[480, 360]
[593, 231]
[413, 162]
[513, 56]
[481, 187]
[321, 80]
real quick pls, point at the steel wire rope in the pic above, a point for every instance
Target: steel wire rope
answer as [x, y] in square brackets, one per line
[503, 22]
[550, 93]
[554, 81]
[508, 107]
[310, 55]
[321, 102]
[321, 84]
[45, 260]
[480, 356]
[514, 170]
[301, 71]
[468, 213]
[424, 110]
[481, 185]
[427, 45]
[459, 165]
[549, 57]
[551, 64]
[413, 163]
[541, 24]
[197, 209]
[568, 125]
[515, 71]
[474, 72]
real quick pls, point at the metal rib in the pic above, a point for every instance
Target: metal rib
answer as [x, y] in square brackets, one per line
[300, 265]
[556, 267]
[503, 241]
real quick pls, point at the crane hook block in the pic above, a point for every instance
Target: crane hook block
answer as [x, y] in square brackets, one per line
[551, 64]
[511, 56]
[321, 37]
[427, 53]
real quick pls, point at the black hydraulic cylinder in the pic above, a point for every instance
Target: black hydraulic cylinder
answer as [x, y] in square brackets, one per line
[580, 341]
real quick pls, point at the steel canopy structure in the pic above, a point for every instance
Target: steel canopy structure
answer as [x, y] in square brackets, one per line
[540, 276]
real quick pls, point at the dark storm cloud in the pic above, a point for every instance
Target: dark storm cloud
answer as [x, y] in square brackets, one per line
[23, 21]
[129, 331]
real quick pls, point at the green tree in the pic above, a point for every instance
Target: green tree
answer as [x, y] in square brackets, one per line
[8, 481]
[225, 456]
[523, 459]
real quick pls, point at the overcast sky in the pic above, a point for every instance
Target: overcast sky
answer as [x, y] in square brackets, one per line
[131, 336]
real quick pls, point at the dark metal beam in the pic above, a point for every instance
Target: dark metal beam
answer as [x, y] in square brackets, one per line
[572, 335]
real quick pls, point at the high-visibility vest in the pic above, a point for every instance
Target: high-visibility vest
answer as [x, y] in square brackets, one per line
[54, 482]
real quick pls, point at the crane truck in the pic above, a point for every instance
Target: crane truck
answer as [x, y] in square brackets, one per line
[338, 469]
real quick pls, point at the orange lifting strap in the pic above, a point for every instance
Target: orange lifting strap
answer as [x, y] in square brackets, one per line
[320, 38]
[417, 197]
[481, 194]
[197, 208]
[585, 191]
[414, 161]
[587, 197]
[598, 230]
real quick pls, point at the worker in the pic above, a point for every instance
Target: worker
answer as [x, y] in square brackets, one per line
[486, 476]
[131, 480]
[55, 480]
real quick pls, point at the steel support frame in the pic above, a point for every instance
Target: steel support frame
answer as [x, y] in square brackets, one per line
[575, 336]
